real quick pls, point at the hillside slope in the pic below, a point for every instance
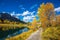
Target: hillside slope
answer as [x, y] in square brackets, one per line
[6, 16]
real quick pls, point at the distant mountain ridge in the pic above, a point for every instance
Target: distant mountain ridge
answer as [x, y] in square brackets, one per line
[6, 16]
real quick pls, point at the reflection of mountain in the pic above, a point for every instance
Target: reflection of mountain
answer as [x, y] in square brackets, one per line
[12, 32]
[6, 16]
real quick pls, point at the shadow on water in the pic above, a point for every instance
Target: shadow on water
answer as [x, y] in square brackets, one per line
[12, 32]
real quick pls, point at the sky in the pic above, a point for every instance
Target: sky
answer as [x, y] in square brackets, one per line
[26, 10]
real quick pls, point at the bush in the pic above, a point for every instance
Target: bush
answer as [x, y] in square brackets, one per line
[51, 33]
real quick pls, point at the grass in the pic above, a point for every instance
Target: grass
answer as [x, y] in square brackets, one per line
[22, 36]
[11, 26]
[51, 33]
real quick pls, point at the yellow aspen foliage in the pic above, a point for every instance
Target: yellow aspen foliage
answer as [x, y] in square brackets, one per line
[0, 21]
[58, 19]
[46, 14]
[51, 33]
[34, 23]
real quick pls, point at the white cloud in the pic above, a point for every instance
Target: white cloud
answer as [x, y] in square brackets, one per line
[12, 14]
[21, 7]
[15, 15]
[25, 13]
[18, 14]
[32, 12]
[33, 6]
[57, 9]
[29, 18]
[5, 12]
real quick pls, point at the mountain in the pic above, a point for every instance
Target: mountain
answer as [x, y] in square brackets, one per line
[6, 16]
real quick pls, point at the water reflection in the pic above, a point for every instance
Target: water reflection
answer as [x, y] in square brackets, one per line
[18, 32]
[12, 32]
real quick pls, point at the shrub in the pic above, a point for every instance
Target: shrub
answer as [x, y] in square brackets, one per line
[51, 33]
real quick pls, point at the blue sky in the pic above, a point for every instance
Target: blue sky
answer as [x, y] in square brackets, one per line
[25, 10]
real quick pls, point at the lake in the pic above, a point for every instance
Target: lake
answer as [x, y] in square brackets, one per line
[12, 32]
